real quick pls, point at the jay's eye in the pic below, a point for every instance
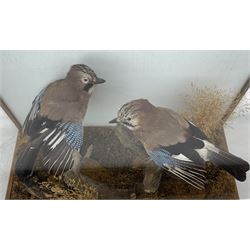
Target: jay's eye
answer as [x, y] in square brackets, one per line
[85, 80]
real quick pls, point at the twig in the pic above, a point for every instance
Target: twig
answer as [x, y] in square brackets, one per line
[10, 114]
[236, 101]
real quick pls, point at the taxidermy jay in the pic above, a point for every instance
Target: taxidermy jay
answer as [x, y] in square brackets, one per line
[175, 144]
[54, 124]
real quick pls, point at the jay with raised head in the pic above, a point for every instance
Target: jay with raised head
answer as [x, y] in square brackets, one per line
[54, 125]
[175, 144]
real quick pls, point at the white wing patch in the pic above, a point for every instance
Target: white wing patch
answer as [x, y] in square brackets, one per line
[49, 135]
[181, 157]
[204, 152]
[44, 130]
[62, 146]
[58, 141]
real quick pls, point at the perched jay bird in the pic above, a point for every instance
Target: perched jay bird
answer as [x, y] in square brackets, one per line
[175, 144]
[54, 124]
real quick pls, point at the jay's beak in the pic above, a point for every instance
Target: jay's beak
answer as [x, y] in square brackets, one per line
[99, 80]
[113, 121]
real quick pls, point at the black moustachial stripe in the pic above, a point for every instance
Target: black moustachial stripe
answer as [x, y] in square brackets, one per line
[88, 86]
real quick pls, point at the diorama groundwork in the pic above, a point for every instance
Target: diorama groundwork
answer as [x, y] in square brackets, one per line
[114, 168]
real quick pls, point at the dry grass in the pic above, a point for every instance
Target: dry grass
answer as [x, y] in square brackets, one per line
[206, 107]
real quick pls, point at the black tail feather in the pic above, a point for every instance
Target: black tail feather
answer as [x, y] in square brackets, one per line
[230, 163]
[26, 159]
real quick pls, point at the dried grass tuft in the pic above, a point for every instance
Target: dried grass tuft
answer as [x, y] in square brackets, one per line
[207, 108]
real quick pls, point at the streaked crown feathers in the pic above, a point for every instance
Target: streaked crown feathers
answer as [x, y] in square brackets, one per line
[131, 112]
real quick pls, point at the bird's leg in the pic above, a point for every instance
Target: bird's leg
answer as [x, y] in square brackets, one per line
[152, 178]
[74, 176]
[81, 161]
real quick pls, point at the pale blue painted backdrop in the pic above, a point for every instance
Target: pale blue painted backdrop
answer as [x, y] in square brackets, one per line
[163, 77]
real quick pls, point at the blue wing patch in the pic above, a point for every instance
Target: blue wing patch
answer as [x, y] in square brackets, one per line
[73, 134]
[161, 157]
